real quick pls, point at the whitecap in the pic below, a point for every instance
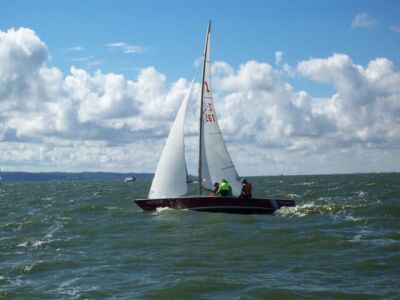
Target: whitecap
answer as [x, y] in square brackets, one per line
[67, 283]
[111, 207]
[162, 209]
[293, 196]
[36, 244]
[358, 237]
[296, 211]
[28, 268]
[52, 230]
[376, 242]
[24, 244]
[306, 183]
[352, 218]
[313, 208]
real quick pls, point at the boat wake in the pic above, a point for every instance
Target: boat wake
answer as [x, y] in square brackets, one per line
[166, 210]
[313, 208]
[160, 210]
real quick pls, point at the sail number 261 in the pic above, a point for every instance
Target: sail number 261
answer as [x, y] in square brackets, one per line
[208, 113]
[209, 118]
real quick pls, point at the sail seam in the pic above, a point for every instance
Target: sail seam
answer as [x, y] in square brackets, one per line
[228, 167]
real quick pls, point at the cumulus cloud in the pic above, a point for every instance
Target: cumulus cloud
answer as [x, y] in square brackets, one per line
[250, 76]
[264, 111]
[38, 102]
[267, 113]
[103, 121]
[363, 20]
[22, 53]
[366, 105]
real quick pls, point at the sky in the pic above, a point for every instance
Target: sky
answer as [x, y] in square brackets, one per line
[300, 87]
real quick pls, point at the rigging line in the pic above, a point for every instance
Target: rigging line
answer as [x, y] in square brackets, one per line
[196, 72]
[230, 167]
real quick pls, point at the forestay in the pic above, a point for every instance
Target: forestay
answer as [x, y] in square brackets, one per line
[170, 179]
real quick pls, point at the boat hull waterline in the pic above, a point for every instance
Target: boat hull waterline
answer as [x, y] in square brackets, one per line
[217, 204]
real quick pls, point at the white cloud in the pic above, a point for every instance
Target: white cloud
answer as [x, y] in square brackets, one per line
[198, 62]
[363, 20]
[102, 121]
[278, 57]
[21, 53]
[90, 62]
[366, 105]
[83, 59]
[38, 102]
[251, 76]
[76, 48]
[263, 109]
[289, 70]
[126, 48]
[395, 28]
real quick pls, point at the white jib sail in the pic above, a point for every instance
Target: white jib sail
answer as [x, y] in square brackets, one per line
[170, 179]
[216, 163]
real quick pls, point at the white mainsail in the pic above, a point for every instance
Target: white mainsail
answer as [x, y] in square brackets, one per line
[215, 162]
[170, 179]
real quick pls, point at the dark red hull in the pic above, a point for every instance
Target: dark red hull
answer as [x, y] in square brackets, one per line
[217, 204]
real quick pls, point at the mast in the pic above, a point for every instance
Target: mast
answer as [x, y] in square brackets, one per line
[201, 108]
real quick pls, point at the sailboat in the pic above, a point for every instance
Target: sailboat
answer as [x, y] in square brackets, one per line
[169, 184]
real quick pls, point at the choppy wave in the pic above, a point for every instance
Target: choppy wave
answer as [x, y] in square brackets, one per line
[89, 240]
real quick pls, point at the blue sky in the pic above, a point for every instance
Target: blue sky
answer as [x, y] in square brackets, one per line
[172, 32]
[329, 63]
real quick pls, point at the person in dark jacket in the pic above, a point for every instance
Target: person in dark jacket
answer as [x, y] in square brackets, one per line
[246, 189]
[214, 192]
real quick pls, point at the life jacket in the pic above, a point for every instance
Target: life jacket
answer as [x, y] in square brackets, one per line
[224, 186]
[247, 188]
[225, 190]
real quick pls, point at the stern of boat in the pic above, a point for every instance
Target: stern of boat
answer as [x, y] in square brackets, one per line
[285, 203]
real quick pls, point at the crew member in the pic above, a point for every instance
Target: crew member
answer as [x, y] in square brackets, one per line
[246, 189]
[214, 192]
[225, 189]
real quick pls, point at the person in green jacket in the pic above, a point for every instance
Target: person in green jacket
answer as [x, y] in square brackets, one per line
[225, 189]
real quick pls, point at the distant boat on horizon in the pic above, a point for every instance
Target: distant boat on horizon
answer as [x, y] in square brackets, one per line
[130, 179]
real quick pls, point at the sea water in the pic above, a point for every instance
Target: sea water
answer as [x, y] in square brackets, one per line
[89, 240]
